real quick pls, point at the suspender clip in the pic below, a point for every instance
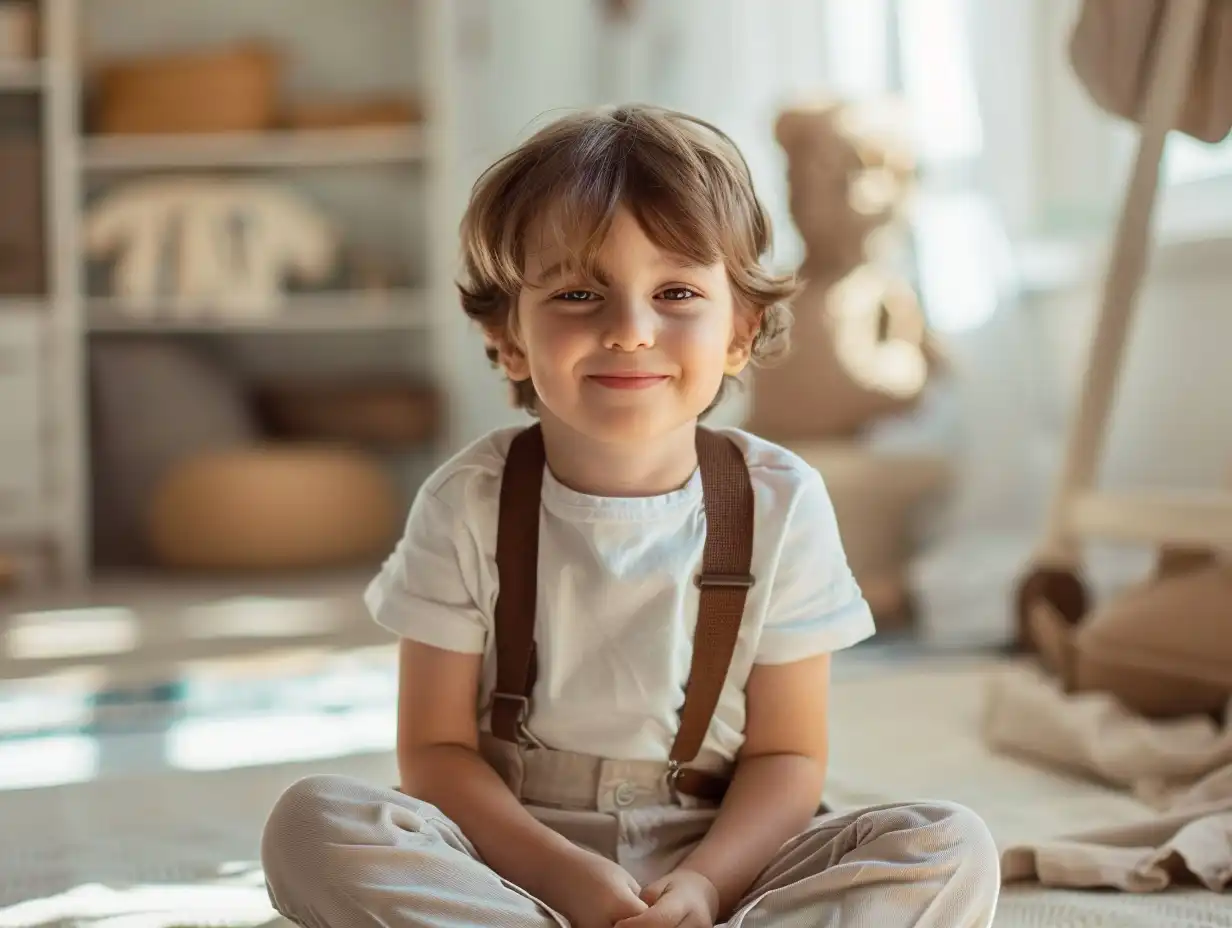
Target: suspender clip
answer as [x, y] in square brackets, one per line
[523, 713]
[744, 581]
[672, 777]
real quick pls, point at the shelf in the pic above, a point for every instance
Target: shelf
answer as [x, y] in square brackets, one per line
[358, 311]
[24, 304]
[283, 148]
[21, 75]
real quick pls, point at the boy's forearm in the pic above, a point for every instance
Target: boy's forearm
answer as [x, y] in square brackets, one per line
[459, 782]
[771, 799]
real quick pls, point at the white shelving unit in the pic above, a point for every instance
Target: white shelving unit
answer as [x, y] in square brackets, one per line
[71, 316]
[28, 321]
[303, 148]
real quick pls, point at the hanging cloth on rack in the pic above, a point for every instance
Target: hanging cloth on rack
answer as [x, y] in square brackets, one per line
[1112, 50]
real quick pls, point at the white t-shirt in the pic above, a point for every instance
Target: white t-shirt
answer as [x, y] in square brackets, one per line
[617, 605]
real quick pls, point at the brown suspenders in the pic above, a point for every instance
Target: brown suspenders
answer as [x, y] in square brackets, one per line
[724, 583]
[517, 564]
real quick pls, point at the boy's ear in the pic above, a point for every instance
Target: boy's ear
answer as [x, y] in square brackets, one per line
[737, 360]
[509, 356]
[513, 360]
[747, 325]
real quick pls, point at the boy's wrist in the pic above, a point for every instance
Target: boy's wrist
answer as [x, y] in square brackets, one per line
[544, 857]
[705, 887]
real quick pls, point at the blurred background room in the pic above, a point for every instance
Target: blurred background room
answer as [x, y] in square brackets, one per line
[231, 347]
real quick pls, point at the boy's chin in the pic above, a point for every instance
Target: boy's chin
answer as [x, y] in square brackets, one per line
[629, 426]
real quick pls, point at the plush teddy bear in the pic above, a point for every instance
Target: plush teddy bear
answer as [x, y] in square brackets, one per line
[860, 349]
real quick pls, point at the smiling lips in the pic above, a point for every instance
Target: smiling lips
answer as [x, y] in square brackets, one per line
[629, 380]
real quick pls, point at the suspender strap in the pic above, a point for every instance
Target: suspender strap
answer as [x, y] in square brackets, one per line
[517, 564]
[723, 583]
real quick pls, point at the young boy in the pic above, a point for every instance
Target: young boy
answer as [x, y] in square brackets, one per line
[615, 625]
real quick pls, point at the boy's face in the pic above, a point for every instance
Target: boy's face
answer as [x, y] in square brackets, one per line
[637, 352]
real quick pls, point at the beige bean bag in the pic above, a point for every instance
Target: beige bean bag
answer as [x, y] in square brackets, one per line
[273, 508]
[1163, 648]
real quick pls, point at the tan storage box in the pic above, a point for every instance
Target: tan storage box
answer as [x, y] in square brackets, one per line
[226, 90]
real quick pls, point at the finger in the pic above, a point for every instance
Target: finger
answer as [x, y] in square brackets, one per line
[695, 919]
[647, 919]
[666, 913]
[651, 893]
[626, 905]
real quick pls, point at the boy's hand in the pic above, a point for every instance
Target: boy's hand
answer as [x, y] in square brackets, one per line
[592, 891]
[683, 898]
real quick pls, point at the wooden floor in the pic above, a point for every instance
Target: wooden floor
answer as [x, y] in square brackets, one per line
[133, 627]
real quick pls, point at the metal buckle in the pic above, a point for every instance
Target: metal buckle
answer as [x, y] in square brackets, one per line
[523, 712]
[672, 777]
[737, 580]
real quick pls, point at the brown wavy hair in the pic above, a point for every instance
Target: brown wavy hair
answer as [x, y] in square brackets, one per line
[685, 182]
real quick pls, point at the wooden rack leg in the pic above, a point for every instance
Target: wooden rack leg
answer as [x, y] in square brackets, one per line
[1055, 575]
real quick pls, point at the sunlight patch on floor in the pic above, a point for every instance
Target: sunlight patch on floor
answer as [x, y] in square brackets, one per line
[51, 761]
[164, 906]
[90, 632]
[261, 617]
[219, 744]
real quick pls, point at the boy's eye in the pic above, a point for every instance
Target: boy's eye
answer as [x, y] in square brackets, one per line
[577, 296]
[677, 294]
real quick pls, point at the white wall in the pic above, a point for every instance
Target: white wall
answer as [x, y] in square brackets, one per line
[1172, 423]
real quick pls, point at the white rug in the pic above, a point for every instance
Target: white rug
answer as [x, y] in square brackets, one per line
[179, 849]
[913, 733]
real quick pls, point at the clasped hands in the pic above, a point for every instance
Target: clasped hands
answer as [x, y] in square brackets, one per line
[594, 892]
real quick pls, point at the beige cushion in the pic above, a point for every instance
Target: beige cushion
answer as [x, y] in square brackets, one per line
[877, 496]
[273, 508]
[1163, 648]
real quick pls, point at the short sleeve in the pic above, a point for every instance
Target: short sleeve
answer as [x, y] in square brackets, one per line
[815, 605]
[425, 591]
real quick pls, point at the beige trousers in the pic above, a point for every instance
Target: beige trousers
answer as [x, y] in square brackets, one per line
[341, 853]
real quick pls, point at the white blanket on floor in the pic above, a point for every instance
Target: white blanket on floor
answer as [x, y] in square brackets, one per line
[1182, 769]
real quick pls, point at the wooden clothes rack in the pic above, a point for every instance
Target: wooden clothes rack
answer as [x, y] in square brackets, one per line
[1078, 508]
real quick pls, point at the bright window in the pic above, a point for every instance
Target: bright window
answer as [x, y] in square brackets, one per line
[920, 50]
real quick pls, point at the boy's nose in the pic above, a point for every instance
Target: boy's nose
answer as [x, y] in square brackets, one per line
[631, 325]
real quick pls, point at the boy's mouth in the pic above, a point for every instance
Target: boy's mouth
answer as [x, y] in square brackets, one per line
[633, 380]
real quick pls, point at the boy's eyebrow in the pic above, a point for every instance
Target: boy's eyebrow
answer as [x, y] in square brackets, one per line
[557, 269]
